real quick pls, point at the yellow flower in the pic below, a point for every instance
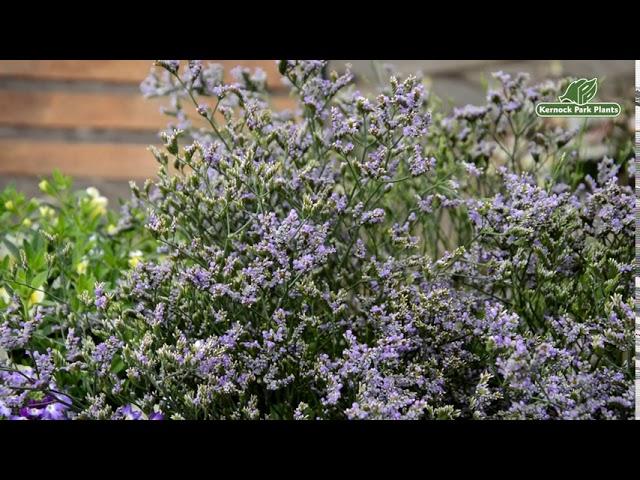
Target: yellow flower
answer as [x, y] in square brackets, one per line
[134, 258]
[36, 297]
[81, 267]
[44, 186]
[8, 205]
[26, 222]
[98, 202]
[111, 229]
[4, 295]
[47, 211]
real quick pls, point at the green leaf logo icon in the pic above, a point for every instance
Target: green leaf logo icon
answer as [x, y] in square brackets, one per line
[580, 91]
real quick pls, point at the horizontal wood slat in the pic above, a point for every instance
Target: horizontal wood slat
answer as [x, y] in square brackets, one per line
[105, 160]
[79, 110]
[92, 110]
[114, 71]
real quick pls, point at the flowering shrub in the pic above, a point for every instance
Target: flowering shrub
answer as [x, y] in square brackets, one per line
[358, 258]
[54, 253]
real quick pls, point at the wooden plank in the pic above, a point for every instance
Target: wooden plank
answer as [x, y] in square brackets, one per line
[114, 71]
[104, 160]
[92, 110]
[74, 110]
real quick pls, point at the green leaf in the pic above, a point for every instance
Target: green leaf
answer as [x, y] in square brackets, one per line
[38, 243]
[39, 279]
[61, 181]
[28, 251]
[118, 365]
[21, 276]
[11, 247]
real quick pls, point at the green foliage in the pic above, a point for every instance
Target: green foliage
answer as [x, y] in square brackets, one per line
[55, 249]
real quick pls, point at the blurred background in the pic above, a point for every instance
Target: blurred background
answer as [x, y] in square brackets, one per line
[89, 119]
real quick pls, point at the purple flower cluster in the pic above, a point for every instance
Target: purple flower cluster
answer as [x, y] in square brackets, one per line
[358, 258]
[15, 401]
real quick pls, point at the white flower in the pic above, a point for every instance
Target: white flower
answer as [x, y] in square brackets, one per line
[98, 202]
[134, 258]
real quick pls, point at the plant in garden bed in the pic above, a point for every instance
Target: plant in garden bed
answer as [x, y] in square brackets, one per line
[53, 253]
[360, 257]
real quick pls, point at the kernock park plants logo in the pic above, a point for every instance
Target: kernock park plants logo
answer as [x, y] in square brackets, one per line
[574, 102]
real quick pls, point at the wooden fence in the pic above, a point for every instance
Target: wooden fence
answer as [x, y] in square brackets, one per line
[87, 118]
